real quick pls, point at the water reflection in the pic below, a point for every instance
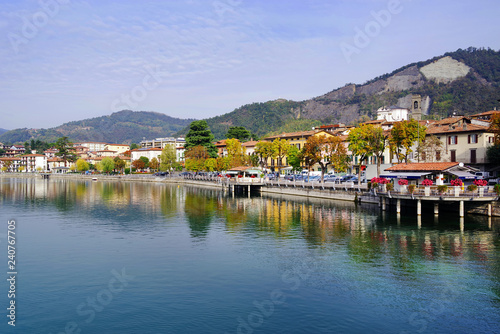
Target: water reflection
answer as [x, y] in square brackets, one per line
[369, 236]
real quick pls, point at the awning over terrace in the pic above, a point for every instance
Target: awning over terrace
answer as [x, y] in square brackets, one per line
[404, 175]
[462, 174]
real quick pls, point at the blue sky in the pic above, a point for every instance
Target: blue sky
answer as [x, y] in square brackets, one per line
[65, 60]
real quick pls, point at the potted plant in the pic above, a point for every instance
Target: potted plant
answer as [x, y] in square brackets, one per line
[442, 189]
[471, 187]
[427, 183]
[403, 184]
[411, 188]
[389, 186]
[383, 183]
[496, 188]
[456, 184]
[481, 184]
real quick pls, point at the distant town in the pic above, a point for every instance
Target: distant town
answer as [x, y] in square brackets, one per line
[403, 137]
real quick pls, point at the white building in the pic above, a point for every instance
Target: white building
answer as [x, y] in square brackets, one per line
[149, 153]
[393, 114]
[162, 142]
[92, 145]
[34, 162]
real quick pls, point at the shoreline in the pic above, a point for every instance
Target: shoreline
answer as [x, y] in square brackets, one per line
[352, 196]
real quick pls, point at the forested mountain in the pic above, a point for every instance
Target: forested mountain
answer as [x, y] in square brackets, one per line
[3, 130]
[120, 127]
[462, 82]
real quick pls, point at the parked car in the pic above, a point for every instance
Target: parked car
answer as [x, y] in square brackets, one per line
[329, 178]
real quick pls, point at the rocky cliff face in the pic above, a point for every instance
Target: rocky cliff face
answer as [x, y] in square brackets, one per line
[445, 70]
[349, 103]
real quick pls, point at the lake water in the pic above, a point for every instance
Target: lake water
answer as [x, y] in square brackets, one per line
[105, 257]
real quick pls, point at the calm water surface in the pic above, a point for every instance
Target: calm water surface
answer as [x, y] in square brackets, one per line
[97, 257]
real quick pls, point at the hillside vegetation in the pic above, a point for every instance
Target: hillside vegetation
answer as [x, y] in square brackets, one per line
[120, 127]
[475, 92]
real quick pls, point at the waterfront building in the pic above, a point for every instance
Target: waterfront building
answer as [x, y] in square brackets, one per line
[439, 172]
[462, 141]
[12, 163]
[34, 162]
[149, 153]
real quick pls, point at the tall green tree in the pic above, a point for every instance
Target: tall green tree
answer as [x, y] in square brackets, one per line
[236, 152]
[359, 145]
[200, 135]
[107, 165]
[65, 150]
[82, 165]
[145, 160]
[280, 148]
[336, 154]
[404, 135]
[264, 149]
[168, 157]
[377, 141]
[294, 158]
[326, 151]
[119, 163]
[313, 153]
[153, 164]
[238, 132]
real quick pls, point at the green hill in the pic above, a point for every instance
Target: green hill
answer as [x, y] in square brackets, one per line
[120, 127]
[474, 92]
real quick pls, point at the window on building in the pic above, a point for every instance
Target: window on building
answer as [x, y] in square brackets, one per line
[438, 155]
[472, 156]
[472, 139]
[415, 105]
[452, 140]
[453, 156]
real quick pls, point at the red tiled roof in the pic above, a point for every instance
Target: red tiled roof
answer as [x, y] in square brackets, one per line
[422, 167]
[249, 143]
[221, 143]
[486, 113]
[293, 134]
[459, 128]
